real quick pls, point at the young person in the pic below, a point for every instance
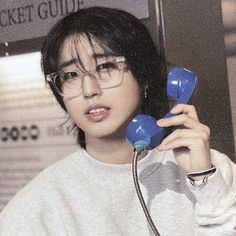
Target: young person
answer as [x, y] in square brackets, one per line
[103, 69]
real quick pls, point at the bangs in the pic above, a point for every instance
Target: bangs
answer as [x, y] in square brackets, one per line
[98, 48]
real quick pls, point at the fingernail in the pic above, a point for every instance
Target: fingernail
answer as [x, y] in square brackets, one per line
[174, 108]
[159, 122]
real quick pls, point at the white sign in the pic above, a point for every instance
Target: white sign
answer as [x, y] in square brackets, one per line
[32, 134]
[27, 19]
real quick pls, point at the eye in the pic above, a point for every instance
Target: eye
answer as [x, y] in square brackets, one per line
[72, 75]
[106, 66]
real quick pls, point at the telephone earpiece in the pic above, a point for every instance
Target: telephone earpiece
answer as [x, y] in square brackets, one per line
[143, 131]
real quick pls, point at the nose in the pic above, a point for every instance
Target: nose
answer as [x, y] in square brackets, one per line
[90, 87]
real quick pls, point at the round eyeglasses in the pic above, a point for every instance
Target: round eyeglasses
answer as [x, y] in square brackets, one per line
[108, 74]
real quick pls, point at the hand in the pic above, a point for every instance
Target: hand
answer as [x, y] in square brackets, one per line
[190, 143]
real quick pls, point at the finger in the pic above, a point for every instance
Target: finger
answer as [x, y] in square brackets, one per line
[176, 143]
[186, 134]
[190, 143]
[182, 119]
[185, 109]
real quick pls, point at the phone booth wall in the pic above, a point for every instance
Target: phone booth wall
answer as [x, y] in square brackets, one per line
[229, 20]
[193, 36]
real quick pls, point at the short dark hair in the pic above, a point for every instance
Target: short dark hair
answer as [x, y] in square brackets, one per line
[123, 34]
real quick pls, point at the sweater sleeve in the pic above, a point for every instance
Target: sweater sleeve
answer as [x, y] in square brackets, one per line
[215, 208]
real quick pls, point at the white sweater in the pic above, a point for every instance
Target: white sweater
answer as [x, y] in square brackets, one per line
[84, 197]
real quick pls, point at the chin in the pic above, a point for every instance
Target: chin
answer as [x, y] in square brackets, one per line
[106, 131]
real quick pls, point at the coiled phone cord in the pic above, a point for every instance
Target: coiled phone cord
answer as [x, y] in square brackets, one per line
[139, 193]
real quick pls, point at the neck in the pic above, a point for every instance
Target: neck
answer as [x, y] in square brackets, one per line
[110, 150]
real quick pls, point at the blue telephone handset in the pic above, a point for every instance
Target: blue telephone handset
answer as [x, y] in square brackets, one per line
[143, 131]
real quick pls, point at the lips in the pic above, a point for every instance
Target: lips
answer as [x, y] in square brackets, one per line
[97, 113]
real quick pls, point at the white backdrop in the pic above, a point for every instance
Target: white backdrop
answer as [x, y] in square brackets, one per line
[31, 135]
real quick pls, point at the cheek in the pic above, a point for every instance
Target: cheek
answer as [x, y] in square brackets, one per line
[131, 91]
[74, 108]
[128, 97]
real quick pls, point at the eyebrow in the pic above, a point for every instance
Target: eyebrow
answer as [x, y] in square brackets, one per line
[94, 55]
[68, 63]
